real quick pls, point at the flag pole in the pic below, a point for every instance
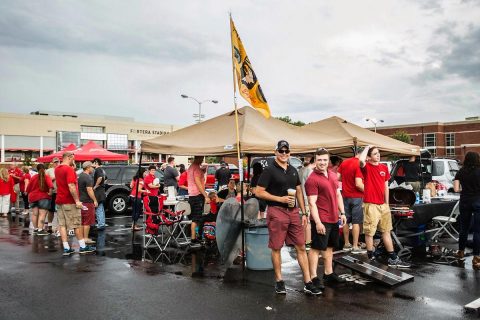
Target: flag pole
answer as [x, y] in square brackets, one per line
[240, 162]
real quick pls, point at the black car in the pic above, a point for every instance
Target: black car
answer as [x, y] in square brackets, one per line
[117, 186]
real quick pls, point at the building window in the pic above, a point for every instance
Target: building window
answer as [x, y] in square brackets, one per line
[433, 151]
[64, 138]
[450, 152]
[450, 140]
[117, 141]
[429, 140]
[93, 129]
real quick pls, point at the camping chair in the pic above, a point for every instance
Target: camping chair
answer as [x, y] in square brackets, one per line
[181, 237]
[445, 224]
[160, 226]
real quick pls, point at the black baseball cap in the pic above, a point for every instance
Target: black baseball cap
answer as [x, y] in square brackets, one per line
[282, 144]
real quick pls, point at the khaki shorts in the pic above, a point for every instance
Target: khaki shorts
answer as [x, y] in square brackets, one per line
[69, 216]
[376, 216]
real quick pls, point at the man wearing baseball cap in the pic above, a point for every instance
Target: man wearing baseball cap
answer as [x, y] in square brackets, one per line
[277, 185]
[88, 199]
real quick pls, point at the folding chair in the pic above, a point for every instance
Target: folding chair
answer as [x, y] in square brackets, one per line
[159, 227]
[445, 224]
[181, 237]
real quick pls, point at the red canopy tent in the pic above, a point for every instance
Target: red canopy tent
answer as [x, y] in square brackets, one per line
[87, 152]
[57, 154]
[91, 150]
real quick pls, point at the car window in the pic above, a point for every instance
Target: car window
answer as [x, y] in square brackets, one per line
[128, 174]
[453, 166]
[112, 173]
[211, 170]
[438, 168]
[295, 162]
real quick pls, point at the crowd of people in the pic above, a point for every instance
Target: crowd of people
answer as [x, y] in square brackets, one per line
[304, 208]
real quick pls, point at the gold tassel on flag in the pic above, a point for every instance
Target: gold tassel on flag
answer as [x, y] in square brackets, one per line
[247, 81]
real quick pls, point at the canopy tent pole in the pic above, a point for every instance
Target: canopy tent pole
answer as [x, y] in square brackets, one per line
[136, 197]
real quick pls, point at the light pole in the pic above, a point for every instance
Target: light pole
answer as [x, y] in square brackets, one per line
[374, 121]
[199, 105]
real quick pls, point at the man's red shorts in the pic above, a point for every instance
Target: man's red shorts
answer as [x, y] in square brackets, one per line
[88, 216]
[284, 226]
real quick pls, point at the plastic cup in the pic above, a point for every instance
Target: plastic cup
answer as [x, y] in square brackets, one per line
[291, 193]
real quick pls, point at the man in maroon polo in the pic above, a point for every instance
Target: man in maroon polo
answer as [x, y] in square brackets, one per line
[325, 202]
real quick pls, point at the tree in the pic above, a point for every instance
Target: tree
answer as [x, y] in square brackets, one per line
[287, 119]
[401, 136]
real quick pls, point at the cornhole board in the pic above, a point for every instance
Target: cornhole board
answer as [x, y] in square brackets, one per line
[473, 306]
[228, 231]
[376, 271]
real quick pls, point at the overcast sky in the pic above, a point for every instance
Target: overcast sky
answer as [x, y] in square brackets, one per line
[403, 61]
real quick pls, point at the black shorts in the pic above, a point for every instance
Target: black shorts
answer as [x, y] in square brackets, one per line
[328, 240]
[197, 204]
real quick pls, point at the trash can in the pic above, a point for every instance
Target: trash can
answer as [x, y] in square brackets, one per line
[258, 255]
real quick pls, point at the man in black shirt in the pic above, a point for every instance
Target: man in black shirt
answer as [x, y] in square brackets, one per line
[87, 197]
[222, 175]
[285, 223]
[99, 178]
[412, 173]
[171, 175]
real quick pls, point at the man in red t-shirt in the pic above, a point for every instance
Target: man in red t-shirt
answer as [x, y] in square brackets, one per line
[152, 186]
[352, 191]
[15, 172]
[69, 204]
[325, 202]
[376, 211]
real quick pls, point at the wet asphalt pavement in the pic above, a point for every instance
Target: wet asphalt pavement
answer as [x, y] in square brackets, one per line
[119, 282]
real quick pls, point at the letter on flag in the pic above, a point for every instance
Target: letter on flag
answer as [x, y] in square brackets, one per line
[247, 81]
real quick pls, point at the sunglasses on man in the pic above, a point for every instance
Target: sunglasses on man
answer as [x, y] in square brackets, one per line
[283, 151]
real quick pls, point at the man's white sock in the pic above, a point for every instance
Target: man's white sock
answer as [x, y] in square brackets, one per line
[66, 245]
[81, 243]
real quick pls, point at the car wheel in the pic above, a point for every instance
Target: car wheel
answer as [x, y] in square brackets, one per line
[118, 204]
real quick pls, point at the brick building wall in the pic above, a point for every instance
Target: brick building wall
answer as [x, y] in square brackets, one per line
[443, 139]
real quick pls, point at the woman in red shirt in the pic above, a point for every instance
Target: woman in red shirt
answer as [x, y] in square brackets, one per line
[39, 192]
[6, 189]
[183, 181]
[24, 180]
[137, 204]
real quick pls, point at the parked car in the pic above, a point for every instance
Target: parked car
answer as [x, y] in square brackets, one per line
[440, 170]
[212, 168]
[117, 186]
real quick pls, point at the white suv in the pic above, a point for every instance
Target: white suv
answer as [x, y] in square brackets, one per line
[441, 170]
[444, 171]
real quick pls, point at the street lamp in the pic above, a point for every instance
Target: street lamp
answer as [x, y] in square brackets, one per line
[374, 121]
[199, 115]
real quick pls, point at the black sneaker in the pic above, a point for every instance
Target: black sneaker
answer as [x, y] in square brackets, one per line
[42, 232]
[310, 288]
[195, 243]
[333, 277]
[398, 263]
[87, 250]
[317, 283]
[280, 287]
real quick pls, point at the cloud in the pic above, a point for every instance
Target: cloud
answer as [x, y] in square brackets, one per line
[454, 54]
[22, 27]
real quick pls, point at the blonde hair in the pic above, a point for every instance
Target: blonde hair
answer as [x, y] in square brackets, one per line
[4, 174]
[25, 169]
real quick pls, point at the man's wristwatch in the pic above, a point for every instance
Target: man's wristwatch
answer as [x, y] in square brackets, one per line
[342, 213]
